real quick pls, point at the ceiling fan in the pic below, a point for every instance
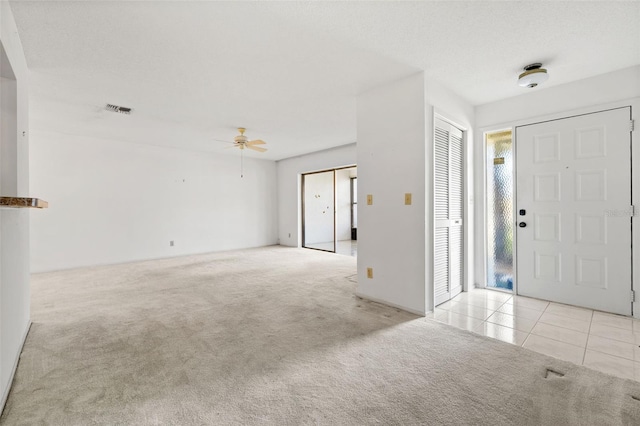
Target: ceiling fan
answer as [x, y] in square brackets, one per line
[242, 142]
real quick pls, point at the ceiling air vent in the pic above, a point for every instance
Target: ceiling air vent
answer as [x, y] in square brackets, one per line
[120, 109]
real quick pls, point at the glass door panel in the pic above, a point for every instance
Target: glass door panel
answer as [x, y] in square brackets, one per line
[318, 211]
[499, 166]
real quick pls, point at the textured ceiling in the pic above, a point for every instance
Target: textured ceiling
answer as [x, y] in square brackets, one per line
[290, 71]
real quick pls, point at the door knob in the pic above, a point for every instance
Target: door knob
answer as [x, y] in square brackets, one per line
[522, 224]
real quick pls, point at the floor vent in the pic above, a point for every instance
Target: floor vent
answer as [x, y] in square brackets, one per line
[119, 109]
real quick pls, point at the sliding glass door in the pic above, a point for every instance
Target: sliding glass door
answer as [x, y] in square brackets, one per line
[318, 207]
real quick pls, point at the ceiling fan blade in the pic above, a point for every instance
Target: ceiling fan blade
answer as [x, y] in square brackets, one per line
[256, 148]
[256, 142]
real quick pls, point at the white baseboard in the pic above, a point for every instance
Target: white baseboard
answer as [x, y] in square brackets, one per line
[5, 392]
[393, 305]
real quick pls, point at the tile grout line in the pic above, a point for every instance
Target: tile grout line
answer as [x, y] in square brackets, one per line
[584, 355]
[564, 316]
[497, 309]
[560, 341]
[485, 307]
[534, 326]
[483, 321]
[564, 328]
[608, 354]
[610, 338]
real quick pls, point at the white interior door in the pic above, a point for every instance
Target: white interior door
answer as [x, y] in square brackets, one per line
[449, 193]
[573, 208]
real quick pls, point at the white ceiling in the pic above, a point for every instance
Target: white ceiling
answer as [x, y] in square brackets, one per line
[290, 71]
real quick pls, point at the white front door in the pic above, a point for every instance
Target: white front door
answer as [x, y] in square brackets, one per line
[573, 204]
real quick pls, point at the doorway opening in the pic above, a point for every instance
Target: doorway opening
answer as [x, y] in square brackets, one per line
[329, 210]
[499, 190]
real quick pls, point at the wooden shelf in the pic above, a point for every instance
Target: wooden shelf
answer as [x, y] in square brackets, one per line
[22, 203]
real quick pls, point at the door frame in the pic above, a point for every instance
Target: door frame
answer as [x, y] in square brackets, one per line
[481, 265]
[468, 227]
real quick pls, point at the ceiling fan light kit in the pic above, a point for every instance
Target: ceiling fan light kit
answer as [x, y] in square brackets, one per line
[533, 75]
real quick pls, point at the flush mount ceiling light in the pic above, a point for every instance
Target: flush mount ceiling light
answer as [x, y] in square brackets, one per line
[533, 75]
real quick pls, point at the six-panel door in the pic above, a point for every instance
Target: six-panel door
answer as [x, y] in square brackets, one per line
[574, 185]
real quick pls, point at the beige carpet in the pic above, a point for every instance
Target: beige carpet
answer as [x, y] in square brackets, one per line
[276, 336]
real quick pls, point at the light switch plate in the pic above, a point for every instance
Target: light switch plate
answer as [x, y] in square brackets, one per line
[369, 199]
[407, 199]
[369, 272]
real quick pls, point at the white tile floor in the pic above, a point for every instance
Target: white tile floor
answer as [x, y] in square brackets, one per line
[604, 342]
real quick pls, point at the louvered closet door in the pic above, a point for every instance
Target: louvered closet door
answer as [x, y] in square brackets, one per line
[448, 244]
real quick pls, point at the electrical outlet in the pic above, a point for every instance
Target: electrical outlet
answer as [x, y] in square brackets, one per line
[369, 272]
[171, 243]
[407, 199]
[369, 199]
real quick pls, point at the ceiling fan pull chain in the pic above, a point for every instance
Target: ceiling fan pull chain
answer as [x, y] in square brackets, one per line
[241, 163]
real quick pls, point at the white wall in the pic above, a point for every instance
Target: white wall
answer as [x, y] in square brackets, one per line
[318, 208]
[113, 201]
[391, 161]
[14, 180]
[395, 156]
[534, 105]
[343, 204]
[8, 131]
[289, 172]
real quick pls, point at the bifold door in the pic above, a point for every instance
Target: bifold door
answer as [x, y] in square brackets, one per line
[449, 193]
